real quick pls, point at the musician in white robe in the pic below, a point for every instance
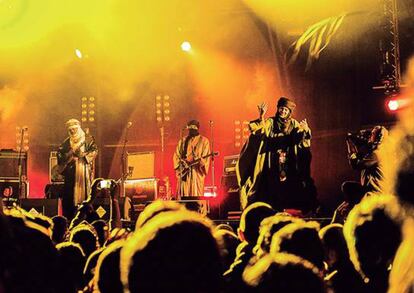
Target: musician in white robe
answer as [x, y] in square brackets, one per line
[76, 156]
[191, 161]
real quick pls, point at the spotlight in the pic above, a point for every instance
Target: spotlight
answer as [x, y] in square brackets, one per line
[186, 46]
[396, 103]
[393, 105]
[78, 53]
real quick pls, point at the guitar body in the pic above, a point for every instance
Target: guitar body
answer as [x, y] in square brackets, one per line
[185, 167]
[67, 158]
[60, 168]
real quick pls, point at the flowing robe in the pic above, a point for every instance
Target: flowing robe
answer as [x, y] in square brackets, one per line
[270, 168]
[197, 147]
[78, 173]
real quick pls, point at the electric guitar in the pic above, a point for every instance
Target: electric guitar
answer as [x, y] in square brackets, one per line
[185, 167]
[70, 157]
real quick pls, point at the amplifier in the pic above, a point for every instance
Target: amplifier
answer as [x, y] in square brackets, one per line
[142, 190]
[47, 207]
[229, 183]
[9, 164]
[10, 188]
[54, 176]
[195, 204]
[229, 164]
[141, 164]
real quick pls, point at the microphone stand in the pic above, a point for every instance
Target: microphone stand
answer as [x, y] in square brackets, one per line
[211, 123]
[123, 171]
[19, 164]
[180, 179]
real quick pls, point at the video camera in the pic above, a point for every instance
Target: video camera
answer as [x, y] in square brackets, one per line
[360, 137]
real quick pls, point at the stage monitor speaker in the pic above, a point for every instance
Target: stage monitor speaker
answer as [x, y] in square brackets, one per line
[141, 190]
[142, 165]
[47, 207]
[9, 164]
[54, 176]
[10, 187]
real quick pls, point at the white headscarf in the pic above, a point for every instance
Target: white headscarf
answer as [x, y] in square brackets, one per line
[78, 138]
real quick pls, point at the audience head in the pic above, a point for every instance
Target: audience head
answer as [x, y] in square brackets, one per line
[85, 236]
[60, 229]
[301, 239]
[72, 260]
[250, 221]
[333, 240]
[283, 272]
[102, 231]
[226, 227]
[173, 252]
[373, 234]
[116, 234]
[268, 228]
[155, 208]
[230, 243]
[107, 274]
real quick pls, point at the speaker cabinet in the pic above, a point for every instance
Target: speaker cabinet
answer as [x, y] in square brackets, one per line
[54, 176]
[9, 164]
[142, 165]
[141, 190]
[10, 188]
[229, 165]
[47, 207]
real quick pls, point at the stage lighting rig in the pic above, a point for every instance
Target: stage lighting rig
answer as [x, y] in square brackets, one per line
[241, 132]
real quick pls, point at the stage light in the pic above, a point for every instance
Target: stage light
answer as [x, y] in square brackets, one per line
[186, 46]
[396, 103]
[22, 141]
[241, 132]
[88, 112]
[393, 105]
[78, 53]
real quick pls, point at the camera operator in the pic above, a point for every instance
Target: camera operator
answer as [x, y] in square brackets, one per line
[362, 156]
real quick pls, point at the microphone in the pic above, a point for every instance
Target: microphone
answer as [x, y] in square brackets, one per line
[129, 124]
[210, 122]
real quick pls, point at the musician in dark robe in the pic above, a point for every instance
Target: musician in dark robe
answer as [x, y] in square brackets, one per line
[191, 161]
[274, 164]
[76, 156]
